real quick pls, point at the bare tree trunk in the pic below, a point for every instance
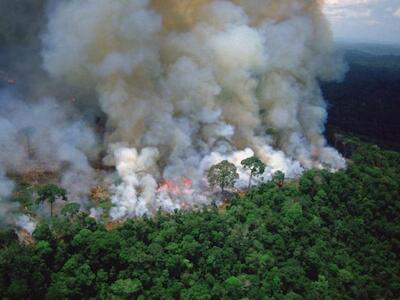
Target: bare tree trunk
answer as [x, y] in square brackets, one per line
[251, 177]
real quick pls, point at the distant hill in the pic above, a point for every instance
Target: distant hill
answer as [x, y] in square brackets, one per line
[370, 48]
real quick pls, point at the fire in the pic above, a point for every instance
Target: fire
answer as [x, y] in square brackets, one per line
[184, 205]
[178, 188]
[187, 183]
[169, 186]
[184, 186]
[114, 225]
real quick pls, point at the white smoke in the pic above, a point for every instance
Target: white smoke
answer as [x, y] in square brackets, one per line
[26, 223]
[41, 135]
[6, 185]
[8, 209]
[185, 84]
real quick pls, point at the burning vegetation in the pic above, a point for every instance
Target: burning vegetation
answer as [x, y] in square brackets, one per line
[182, 187]
[98, 193]
[36, 176]
[141, 99]
[146, 148]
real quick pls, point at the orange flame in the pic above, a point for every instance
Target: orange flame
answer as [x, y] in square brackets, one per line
[184, 205]
[176, 188]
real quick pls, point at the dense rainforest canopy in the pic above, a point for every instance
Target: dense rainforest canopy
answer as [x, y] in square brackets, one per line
[327, 236]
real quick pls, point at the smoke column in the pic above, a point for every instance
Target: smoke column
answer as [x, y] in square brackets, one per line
[39, 134]
[6, 188]
[185, 84]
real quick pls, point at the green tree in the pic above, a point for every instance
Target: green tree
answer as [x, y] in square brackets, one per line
[278, 178]
[50, 193]
[74, 281]
[125, 288]
[331, 236]
[223, 174]
[255, 166]
[70, 210]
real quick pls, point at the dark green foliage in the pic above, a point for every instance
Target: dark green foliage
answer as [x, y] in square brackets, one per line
[50, 193]
[255, 166]
[223, 174]
[331, 236]
[70, 210]
[24, 195]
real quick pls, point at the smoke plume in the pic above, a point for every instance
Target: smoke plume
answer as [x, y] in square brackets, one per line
[41, 135]
[6, 188]
[184, 85]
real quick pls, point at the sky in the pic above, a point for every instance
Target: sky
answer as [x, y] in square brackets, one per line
[365, 20]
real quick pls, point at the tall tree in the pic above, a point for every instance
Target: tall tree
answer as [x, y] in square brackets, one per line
[223, 174]
[50, 193]
[255, 166]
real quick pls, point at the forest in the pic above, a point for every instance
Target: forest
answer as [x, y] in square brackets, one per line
[367, 102]
[325, 236]
[322, 235]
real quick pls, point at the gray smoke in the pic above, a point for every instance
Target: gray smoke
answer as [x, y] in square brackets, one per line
[6, 188]
[182, 85]
[174, 78]
[43, 135]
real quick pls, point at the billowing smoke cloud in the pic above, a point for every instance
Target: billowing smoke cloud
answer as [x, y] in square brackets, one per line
[184, 84]
[37, 136]
[42, 135]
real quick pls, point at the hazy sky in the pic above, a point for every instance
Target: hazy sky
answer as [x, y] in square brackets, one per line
[365, 20]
